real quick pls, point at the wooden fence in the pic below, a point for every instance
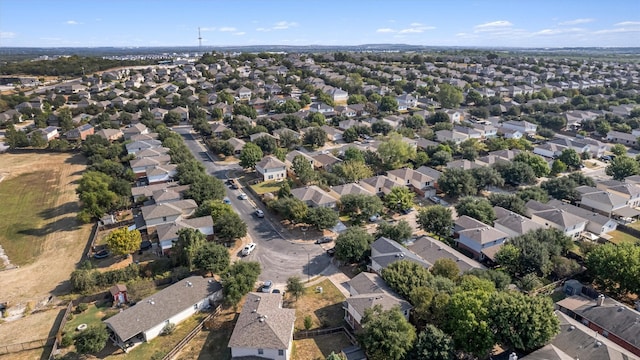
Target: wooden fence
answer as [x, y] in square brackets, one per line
[29, 345]
[171, 354]
[305, 334]
[58, 337]
[629, 230]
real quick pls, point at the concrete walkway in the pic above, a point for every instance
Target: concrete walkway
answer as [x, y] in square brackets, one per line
[337, 278]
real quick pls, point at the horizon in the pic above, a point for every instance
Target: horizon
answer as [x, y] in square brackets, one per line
[331, 23]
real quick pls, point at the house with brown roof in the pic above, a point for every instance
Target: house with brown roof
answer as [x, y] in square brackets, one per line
[314, 196]
[379, 185]
[140, 165]
[432, 250]
[325, 161]
[264, 330]
[271, 169]
[168, 233]
[109, 134]
[137, 129]
[512, 223]
[166, 213]
[80, 133]
[420, 182]
[347, 189]
[146, 319]
[149, 190]
[367, 290]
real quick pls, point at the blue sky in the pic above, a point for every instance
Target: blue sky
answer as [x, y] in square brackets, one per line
[514, 23]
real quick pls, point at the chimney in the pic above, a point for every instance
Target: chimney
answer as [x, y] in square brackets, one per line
[600, 300]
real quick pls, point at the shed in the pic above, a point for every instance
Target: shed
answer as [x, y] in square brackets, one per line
[119, 294]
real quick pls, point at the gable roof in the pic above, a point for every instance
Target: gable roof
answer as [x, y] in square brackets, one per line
[263, 323]
[390, 251]
[313, 194]
[432, 250]
[560, 217]
[515, 222]
[351, 188]
[161, 306]
[270, 162]
[484, 235]
[175, 208]
[369, 289]
[170, 231]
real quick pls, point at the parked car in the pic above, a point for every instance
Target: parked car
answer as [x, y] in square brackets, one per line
[146, 245]
[275, 291]
[234, 186]
[243, 196]
[324, 240]
[374, 218]
[407, 211]
[331, 251]
[227, 201]
[259, 213]
[248, 249]
[102, 254]
[266, 286]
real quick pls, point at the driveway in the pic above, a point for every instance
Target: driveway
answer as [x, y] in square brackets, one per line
[279, 256]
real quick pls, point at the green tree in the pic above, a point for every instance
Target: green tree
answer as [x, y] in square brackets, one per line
[92, 340]
[432, 344]
[523, 322]
[533, 193]
[315, 137]
[499, 278]
[571, 158]
[214, 208]
[558, 167]
[399, 198]
[457, 182]
[395, 152]
[625, 259]
[388, 104]
[516, 173]
[622, 167]
[322, 217]
[446, 268]
[250, 155]
[123, 241]
[303, 169]
[510, 202]
[212, 258]
[360, 207]
[468, 322]
[415, 122]
[436, 219]
[205, 188]
[334, 356]
[399, 232]
[352, 171]
[95, 195]
[404, 276]
[229, 226]
[618, 149]
[386, 334]
[477, 208]
[285, 190]
[537, 163]
[239, 280]
[267, 144]
[189, 243]
[316, 118]
[562, 188]
[486, 176]
[291, 209]
[353, 245]
[381, 127]
[295, 287]
[449, 96]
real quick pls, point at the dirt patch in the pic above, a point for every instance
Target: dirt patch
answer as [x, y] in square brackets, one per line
[39, 325]
[62, 239]
[320, 347]
[212, 341]
[324, 308]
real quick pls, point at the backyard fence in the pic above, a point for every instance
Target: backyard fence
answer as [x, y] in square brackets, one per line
[29, 345]
[58, 337]
[305, 334]
[171, 354]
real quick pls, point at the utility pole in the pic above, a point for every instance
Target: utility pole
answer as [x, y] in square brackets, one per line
[199, 40]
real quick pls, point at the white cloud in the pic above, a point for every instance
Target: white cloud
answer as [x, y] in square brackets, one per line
[282, 25]
[207, 29]
[72, 22]
[416, 29]
[577, 21]
[558, 31]
[493, 26]
[385, 30]
[239, 33]
[628, 23]
[227, 29]
[617, 30]
[415, 24]
[7, 35]
[260, 29]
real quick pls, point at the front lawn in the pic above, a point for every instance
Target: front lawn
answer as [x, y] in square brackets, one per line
[618, 237]
[325, 309]
[266, 187]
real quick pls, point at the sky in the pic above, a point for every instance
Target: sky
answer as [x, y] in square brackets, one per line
[483, 23]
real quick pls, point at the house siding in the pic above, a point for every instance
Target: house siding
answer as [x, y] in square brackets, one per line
[176, 319]
[267, 353]
[158, 221]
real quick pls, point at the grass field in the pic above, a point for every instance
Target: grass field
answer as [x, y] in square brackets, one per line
[618, 237]
[320, 347]
[266, 187]
[325, 309]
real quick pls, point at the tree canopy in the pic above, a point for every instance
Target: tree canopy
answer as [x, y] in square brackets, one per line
[239, 280]
[353, 245]
[212, 258]
[123, 241]
[399, 198]
[624, 258]
[436, 219]
[399, 232]
[360, 207]
[457, 182]
[386, 334]
[477, 208]
[250, 155]
[395, 152]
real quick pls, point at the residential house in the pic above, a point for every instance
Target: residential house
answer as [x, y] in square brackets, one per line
[597, 224]
[80, 133]
[432, 250]
[367, 290]
[333, 134]
[608, 204]
[406, 102]
[471, 133]
[161, 173]
[138, 146]
[385, 252]
[243, 93]
[136, 129]
[513, 224]
[621, 138]
[166, 213]
[217, 128]
[47, 134]
[631, 192]
[110, 134]
[172, 305]
[148, 191]
[325, 161]
[454, 115]
[271, 169]
[462, 164]
[612, 320]
[314, 196]
[168, 233]
[523, 127]
[348, 189]
[379, 185]
[338, 95]
[449, 135]
[182, 112]
[158, 151]
[264, 329]
[158, 113]
[140, 165]
[237, 145]
[570, 224]
[420, 182]
[511, 133]
[254, 137]
[292, 155]
[482, 240]
[347, 111]
[322, 108]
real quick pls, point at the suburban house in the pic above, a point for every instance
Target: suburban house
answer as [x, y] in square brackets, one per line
[338, 95]
[168, 233]
[264, 330]
[618, 137]
[547, 215]
[161, 173]
[432, 250]
[482, 240]
[609, 318]
[511, 133]
[449, 135]
[243, 93]
[367, 290]
[314, 196]
[597, 224]
[145, 320]
[271, 169]
[218, 128]
[237, 145]
[379, 185]
[137, 129]
[80, 133]
[577, 341]
[292, 155]
[608, 204]
[631, 192]
[166, 213]
[109, 134]
[333, 134]
[140, 165]
[158, 151]
[47, 134]
[420, 182]
[346, 189]
[385, 251]
[137, 146]
[325, 161]
[512, 223]
[149, 190]
[406, 101]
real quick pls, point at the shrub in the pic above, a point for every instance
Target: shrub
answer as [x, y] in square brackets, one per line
[168, 329]
[82, 307]
[308, 323]
[66, 341]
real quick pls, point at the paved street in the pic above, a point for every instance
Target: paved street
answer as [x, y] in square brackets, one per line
[278, 256]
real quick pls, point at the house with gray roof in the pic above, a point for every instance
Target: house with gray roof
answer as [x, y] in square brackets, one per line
[385, 251]
[346, 189]
[168, 233]
[432, 250]
[166, 213]
[145, 320]
[608, 203]
[420, 182]
[314, 196]
[264, 330]
[618, 137]
[512, 223]
[549, 216]
[597, 223]
[271, 168]
[379, 185]
[366, 291]
[137, 146]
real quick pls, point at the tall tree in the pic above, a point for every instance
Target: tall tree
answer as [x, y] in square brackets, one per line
[622, 167]
[447, 268]
[360, 207]
[477, 208]
[537, 163]
[189, 243]
[398, 232]
[457, 182]
[212, 258]
[449, 96]
[315, 137]
[404, 276]
[322, 217]
[229, 226]
[352, 171]
[436, 219]
[399, 198]
[388, 104]
[123, 241]
[386, 334]
[468, 322]
[250, 155]
[624, 258]
[353, 245]
[395, 152]
[571, 158]
[303, 169]
[295, 287]
[510, 202]
[239, 280]
[432, 344]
